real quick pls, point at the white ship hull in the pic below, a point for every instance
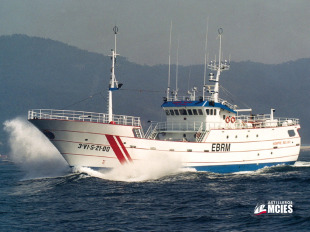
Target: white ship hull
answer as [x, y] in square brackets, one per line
[101, 145]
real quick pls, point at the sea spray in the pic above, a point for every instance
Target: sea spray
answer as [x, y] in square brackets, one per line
[151, 168]
[32, 151]
[301, 164]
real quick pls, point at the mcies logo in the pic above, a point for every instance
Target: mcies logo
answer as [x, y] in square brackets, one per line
[260, 209]
[274, 207]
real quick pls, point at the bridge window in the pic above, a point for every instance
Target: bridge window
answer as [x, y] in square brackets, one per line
[171, 112]
[195, 112]
[211, 111]
[176, 112]
[183, 112]
[200, 112]
[167, 112]
[189, 112]
[291, 133]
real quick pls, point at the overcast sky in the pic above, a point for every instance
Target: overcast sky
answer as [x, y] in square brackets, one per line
[267, 31]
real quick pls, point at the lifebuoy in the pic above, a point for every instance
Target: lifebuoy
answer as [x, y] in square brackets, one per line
[227, 119]
[233, 119]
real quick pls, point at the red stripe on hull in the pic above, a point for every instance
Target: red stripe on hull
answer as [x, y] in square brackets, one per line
[124, 148]
[116, 149]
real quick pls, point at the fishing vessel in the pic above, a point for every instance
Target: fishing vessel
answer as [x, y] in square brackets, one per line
[204, 132]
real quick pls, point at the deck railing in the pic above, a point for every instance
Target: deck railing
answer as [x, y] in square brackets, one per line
[180, 126]
[265, 120]
[240, 122]
[82, 116]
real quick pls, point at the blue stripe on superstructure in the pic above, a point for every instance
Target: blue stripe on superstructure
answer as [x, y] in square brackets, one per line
[195, 103]
[220, 105]
[238, 167]
[182, 103]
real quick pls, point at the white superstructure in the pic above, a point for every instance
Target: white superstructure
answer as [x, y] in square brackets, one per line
[206, 133]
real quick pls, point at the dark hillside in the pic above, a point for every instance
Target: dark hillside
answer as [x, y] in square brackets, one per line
[42, 73]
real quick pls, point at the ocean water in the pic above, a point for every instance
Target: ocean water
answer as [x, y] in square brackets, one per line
[38, 192]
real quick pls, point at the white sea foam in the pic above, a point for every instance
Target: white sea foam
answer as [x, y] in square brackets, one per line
[32, 151]
[301, 164]
[245, 172]
[154, 167]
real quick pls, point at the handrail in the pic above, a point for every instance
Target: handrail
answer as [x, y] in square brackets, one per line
[151, 129]
[266, 120]
[82, 116]
[200, 132]
[242, 122]
[176, 126]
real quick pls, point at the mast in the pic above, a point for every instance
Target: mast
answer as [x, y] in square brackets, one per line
[168, 88]
[217, 86]
[176, 74]
[206, 60]
[113, 85]
[219, 67]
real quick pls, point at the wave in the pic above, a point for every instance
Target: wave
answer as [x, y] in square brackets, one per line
[32, 151]
[301, 164]
[170, 171]
[152, 169]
